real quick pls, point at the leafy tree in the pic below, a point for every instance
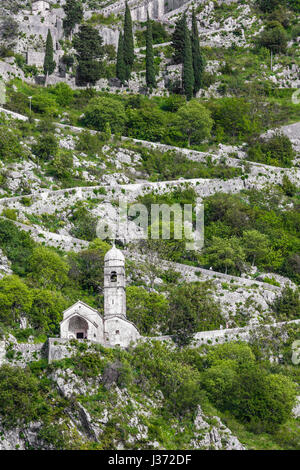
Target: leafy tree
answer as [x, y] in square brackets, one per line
[103, 110]
[239, 385]
[263, 398]
[49, 62]
[198, 59]
[145, 309]
[63, 93]
[187, 67]
[62, 164]
[276, 150]
[86, 268]
[240, 353]
[178, 39]
[89, 52]
[47, 268]
[147, 123]
[20, 398]
[233, 118]
[10, 146]
[128, 42]
[267, 6]
[292, 267]
[178, 381]
[150, 72]
[15, 299]
[46, 310]
[225, 255]
[45, 147]
[84, 223]
[274, 38]
[74, 15]
[9, 29]
[45, 104]
[194, 120]
[289, 188]
[256, 246]
[17, 245]
[287, 304]
[192, 308]
[120, 65]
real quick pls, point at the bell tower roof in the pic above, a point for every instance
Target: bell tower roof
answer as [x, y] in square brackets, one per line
[114, 254]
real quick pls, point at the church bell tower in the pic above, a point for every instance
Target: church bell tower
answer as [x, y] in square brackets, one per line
[114, 284]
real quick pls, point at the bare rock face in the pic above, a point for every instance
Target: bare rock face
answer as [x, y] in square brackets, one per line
[211, 433]
[19, 438]
[5, 269]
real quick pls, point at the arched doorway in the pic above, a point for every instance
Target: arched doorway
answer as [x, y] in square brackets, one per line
[78, 328]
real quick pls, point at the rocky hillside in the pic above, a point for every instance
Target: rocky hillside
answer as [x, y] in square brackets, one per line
[217, 366]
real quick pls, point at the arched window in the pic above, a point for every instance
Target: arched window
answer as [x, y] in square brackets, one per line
[113, 276]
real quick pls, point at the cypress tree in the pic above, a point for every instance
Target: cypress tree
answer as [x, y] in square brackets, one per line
[187, 68]
[89, 52]
[49, 63]
[128, 42]
[198, 59]
[178, 39]
[120, 65]
[150, 72]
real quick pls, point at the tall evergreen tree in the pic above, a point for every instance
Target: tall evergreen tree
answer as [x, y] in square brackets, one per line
[49, 63]
[150, 72]
[120, 65]
[89, 51]
[74, 14]
[198, 59]
[187, 67]
[128, 42]
[178, 39]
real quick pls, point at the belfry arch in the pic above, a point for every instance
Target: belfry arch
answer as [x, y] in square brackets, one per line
[78, 327]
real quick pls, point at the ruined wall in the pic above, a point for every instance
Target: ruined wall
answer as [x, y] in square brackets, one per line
[157, 8]
[37, 58]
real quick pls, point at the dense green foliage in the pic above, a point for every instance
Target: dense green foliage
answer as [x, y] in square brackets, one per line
[105, 110]
[74, 15]
[276, 151]
[20, 398]
[236, 383]
[193, 309]
[273, 239]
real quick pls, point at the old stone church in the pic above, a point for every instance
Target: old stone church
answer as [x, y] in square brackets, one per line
[80, 321]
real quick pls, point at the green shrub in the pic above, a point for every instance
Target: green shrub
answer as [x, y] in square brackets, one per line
[287, 305]
[276, 151]
[102, 110]
[274, 38]
[20, 399]
[46, 146]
